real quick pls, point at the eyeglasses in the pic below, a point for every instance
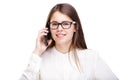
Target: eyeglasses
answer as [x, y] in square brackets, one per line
[65, 24]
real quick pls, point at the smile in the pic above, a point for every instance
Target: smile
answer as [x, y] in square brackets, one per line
[60, 35]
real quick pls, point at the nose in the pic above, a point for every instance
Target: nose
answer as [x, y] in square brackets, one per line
[60, 27]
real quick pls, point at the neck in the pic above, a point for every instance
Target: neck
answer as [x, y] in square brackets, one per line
[62, 48]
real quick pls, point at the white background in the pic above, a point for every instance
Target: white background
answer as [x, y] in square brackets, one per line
[20, 21]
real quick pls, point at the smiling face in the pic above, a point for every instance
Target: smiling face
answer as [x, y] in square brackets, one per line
[62, 36]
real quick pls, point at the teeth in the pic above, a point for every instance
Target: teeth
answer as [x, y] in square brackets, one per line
[60, 35]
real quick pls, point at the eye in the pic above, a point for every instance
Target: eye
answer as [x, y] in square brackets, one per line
[54, 23]
[66, 23]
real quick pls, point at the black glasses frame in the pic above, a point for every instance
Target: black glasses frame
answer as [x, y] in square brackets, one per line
[73, 22]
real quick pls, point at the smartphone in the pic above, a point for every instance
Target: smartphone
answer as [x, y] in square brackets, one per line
[47, 37]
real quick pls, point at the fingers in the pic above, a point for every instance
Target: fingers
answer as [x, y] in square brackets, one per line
[42, 32]
[40, 41]
[41, 35]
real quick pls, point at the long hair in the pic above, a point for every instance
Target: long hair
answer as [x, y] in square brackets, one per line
[78, 40]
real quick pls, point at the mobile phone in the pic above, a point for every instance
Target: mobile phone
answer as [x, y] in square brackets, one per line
[47, 37]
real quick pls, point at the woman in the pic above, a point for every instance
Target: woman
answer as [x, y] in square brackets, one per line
[61, 52]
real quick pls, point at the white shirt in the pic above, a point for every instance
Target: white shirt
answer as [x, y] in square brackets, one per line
[53, 65]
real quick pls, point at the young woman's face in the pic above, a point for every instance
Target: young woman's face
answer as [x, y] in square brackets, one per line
[60, 35]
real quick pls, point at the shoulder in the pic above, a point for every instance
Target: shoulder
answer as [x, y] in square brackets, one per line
[48, 52]
[87, 53]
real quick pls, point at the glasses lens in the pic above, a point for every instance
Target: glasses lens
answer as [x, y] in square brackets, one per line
[66, 25]
[53, 25]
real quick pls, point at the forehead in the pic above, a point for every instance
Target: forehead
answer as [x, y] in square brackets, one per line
[58, 16]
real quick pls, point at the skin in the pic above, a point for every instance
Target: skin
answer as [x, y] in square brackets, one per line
[62, 37]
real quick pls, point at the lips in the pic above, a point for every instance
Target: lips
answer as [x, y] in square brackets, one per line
[60, 35]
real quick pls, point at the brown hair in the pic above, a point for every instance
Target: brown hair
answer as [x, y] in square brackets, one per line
[78, 40]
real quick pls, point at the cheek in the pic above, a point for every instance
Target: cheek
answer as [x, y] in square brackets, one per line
[72, 30]
[52, 33]
[70, 34]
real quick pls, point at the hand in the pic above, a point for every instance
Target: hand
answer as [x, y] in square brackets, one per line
[40, 45]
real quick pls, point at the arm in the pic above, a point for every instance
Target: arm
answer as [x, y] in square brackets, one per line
[32, 70]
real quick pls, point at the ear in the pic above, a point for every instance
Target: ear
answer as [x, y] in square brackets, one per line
[75, 29]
